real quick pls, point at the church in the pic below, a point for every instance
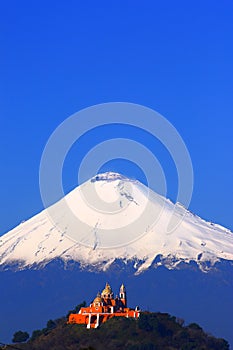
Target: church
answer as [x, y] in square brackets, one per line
[104, 307]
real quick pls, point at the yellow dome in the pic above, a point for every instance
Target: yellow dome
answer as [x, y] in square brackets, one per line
[107, 290]
[98, 299]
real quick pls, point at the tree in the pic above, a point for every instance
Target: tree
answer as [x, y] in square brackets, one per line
[35, 334]
[195, 326]
[76, 309]
[180, 321]
[20, 337]
[51, 325]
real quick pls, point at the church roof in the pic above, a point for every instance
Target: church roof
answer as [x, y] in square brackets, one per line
[98, 299]
[107, 290]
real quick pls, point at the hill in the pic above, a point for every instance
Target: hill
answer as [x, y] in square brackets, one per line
[153, 331]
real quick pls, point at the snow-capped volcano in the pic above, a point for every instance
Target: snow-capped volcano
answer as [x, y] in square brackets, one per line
[112, 217]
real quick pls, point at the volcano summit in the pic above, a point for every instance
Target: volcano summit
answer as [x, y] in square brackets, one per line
[111, 217]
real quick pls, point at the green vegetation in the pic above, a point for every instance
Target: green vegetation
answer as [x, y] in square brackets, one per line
[77, 308]
[20, 337]
[152, 331]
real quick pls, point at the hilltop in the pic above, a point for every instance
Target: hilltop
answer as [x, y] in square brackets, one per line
[153, 331]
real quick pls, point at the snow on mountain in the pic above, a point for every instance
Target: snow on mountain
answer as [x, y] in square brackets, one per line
[112, 217]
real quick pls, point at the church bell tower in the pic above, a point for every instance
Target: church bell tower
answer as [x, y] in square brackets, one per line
[123, 295]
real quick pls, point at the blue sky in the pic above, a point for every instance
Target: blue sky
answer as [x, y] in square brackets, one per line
[58, 57]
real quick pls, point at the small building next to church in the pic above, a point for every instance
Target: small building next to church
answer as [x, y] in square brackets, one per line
[104, 307]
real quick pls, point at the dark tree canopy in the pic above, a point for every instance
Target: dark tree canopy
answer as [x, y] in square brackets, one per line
[20, 337]
[152, 331]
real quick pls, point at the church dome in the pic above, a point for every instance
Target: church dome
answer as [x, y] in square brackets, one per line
[98, 299]
[107, 291]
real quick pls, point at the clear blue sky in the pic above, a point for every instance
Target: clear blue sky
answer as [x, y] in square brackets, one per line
[58, 57]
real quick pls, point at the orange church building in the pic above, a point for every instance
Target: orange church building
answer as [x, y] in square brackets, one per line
[104, 307]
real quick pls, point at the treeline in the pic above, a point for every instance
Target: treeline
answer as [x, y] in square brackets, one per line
[152, 331]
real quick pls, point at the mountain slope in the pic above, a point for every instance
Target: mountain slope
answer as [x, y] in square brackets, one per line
[112, 217]
[153, 331]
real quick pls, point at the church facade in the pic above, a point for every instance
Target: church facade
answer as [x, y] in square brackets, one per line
[104, 307]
